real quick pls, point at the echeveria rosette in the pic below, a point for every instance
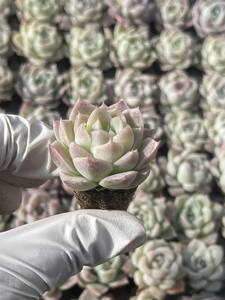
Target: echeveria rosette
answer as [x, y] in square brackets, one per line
[36, 205]
[44, 10]
[40, 85]
[176, 49]
[6, 82]
[105, 277]
[158, 264]
[41, 113]
[174, 14]
[217, 168]
[197, 217]
[204, 266]
[102, 146]
[209, 17]
[132, 47]
[178, 91]
[132, 11]
[215, 124]
[153, 213]
[213, 54]
[186, 131]
[5, 39]
[155, 182]
[135, 88]
[188, 172]
[87, 84]
[5, 7]
[83, 12]
[39, 42]
[88, 47]
[153, 122]
[212, 90]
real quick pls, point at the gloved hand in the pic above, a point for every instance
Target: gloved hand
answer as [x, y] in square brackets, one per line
[37, 257]
[40, 256]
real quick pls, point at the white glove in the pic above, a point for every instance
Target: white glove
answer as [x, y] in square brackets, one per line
[37, 257]
[24, 158]
[40, 256]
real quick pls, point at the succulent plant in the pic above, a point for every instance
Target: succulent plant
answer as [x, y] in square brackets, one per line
[102, 146]
[36, 205]
[88, 47]
[215, 124]
[105, 277]
[197, 217]
[153, 122]
[209, 17]
[135, 88]
[186, 131]
[176, 49]
[217, 168]
[158, 264]
[40, 85]
[87, 84]
[149, 293]
[6, 82]
[188, 172]
[155, 182]
[153, 214]
[40, 113]
[5, 39]
[132, 11]
[45, 10]
[83, 12]
[204, 266]
[178, 91]
[39, 42]
[173, 13]
[132, 47]
[213, 56]
[213, 91]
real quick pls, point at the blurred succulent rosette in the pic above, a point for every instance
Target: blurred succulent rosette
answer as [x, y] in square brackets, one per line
[102, 150]
[40, 85]
[39, 42]
[204, 266]
[159, 264]
[135, 88]
[209, 17]
[132, 47]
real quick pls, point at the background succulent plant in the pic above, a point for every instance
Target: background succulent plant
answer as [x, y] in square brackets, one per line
[30, 10]
[40, 85]
[87, 84]
[132, 47]
[136, 88]
[188, 172]
[6, 82]
[175, 49]
[178, 92]
[204, 266]
[158, 264]
[40, 42]
[88, 47]
[153, 214]
[209, 17]
[197, 217]
[213, 58]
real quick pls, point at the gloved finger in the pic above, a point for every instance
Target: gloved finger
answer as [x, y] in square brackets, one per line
[7, 193]
[42, 255]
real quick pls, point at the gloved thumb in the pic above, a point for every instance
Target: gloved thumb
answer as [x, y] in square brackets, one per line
[37, 257]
